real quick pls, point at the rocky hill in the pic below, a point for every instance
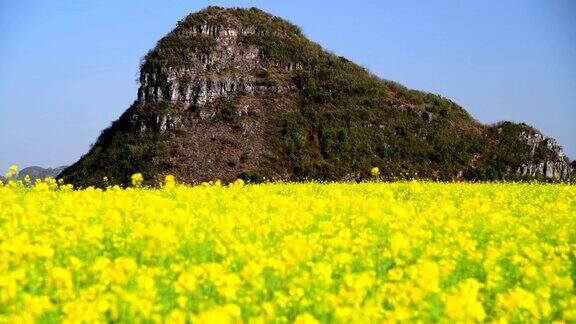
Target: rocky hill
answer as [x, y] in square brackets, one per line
[240, 93]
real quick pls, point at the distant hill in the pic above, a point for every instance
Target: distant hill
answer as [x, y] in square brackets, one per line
[36, 172]
[241, 93]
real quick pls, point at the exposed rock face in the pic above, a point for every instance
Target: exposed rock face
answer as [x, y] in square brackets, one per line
[240, 93]
[191, 87]
[555, 166]
[220, 73]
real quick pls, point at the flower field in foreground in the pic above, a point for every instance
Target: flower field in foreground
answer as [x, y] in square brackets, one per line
[304, 253]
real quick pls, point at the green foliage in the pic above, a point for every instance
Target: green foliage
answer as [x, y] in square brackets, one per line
[128, 152]
[504, 153]
[176, 49]
[347, 123]
[120, 152]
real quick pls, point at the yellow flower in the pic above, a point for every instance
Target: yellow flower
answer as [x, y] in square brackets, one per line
[305, 318]
[519, 298]
[169, 181]
[375, 171]
[230, 313]
[186, 283]
[37, 305]
[61, 278]
[463, 305]
[176, 317]
[399, 243]
[182, 301]
[41, 186]
[277, 252]
[137, 179]
[9, 289]
[12, 172]
[238, 183]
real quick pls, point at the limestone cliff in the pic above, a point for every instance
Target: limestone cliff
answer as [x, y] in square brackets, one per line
[554, 166]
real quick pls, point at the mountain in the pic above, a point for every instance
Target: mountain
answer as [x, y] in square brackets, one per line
[241, 93]
[36, 172]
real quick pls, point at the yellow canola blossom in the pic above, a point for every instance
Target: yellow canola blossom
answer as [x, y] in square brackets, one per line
[288, 253]
[137, 179]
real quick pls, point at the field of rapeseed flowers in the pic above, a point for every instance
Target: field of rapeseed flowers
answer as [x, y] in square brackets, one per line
[308, 253]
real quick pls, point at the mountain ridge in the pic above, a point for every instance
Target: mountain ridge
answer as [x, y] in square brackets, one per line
[241, 93]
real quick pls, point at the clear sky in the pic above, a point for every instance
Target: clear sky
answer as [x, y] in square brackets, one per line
[68, 67]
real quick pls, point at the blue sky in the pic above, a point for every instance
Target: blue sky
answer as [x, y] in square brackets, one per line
[68, 68]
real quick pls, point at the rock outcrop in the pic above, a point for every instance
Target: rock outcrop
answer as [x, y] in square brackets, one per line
[240, 93]
[555, 166]
[218, 68]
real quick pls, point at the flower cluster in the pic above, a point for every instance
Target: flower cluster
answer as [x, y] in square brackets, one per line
[305, 253]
